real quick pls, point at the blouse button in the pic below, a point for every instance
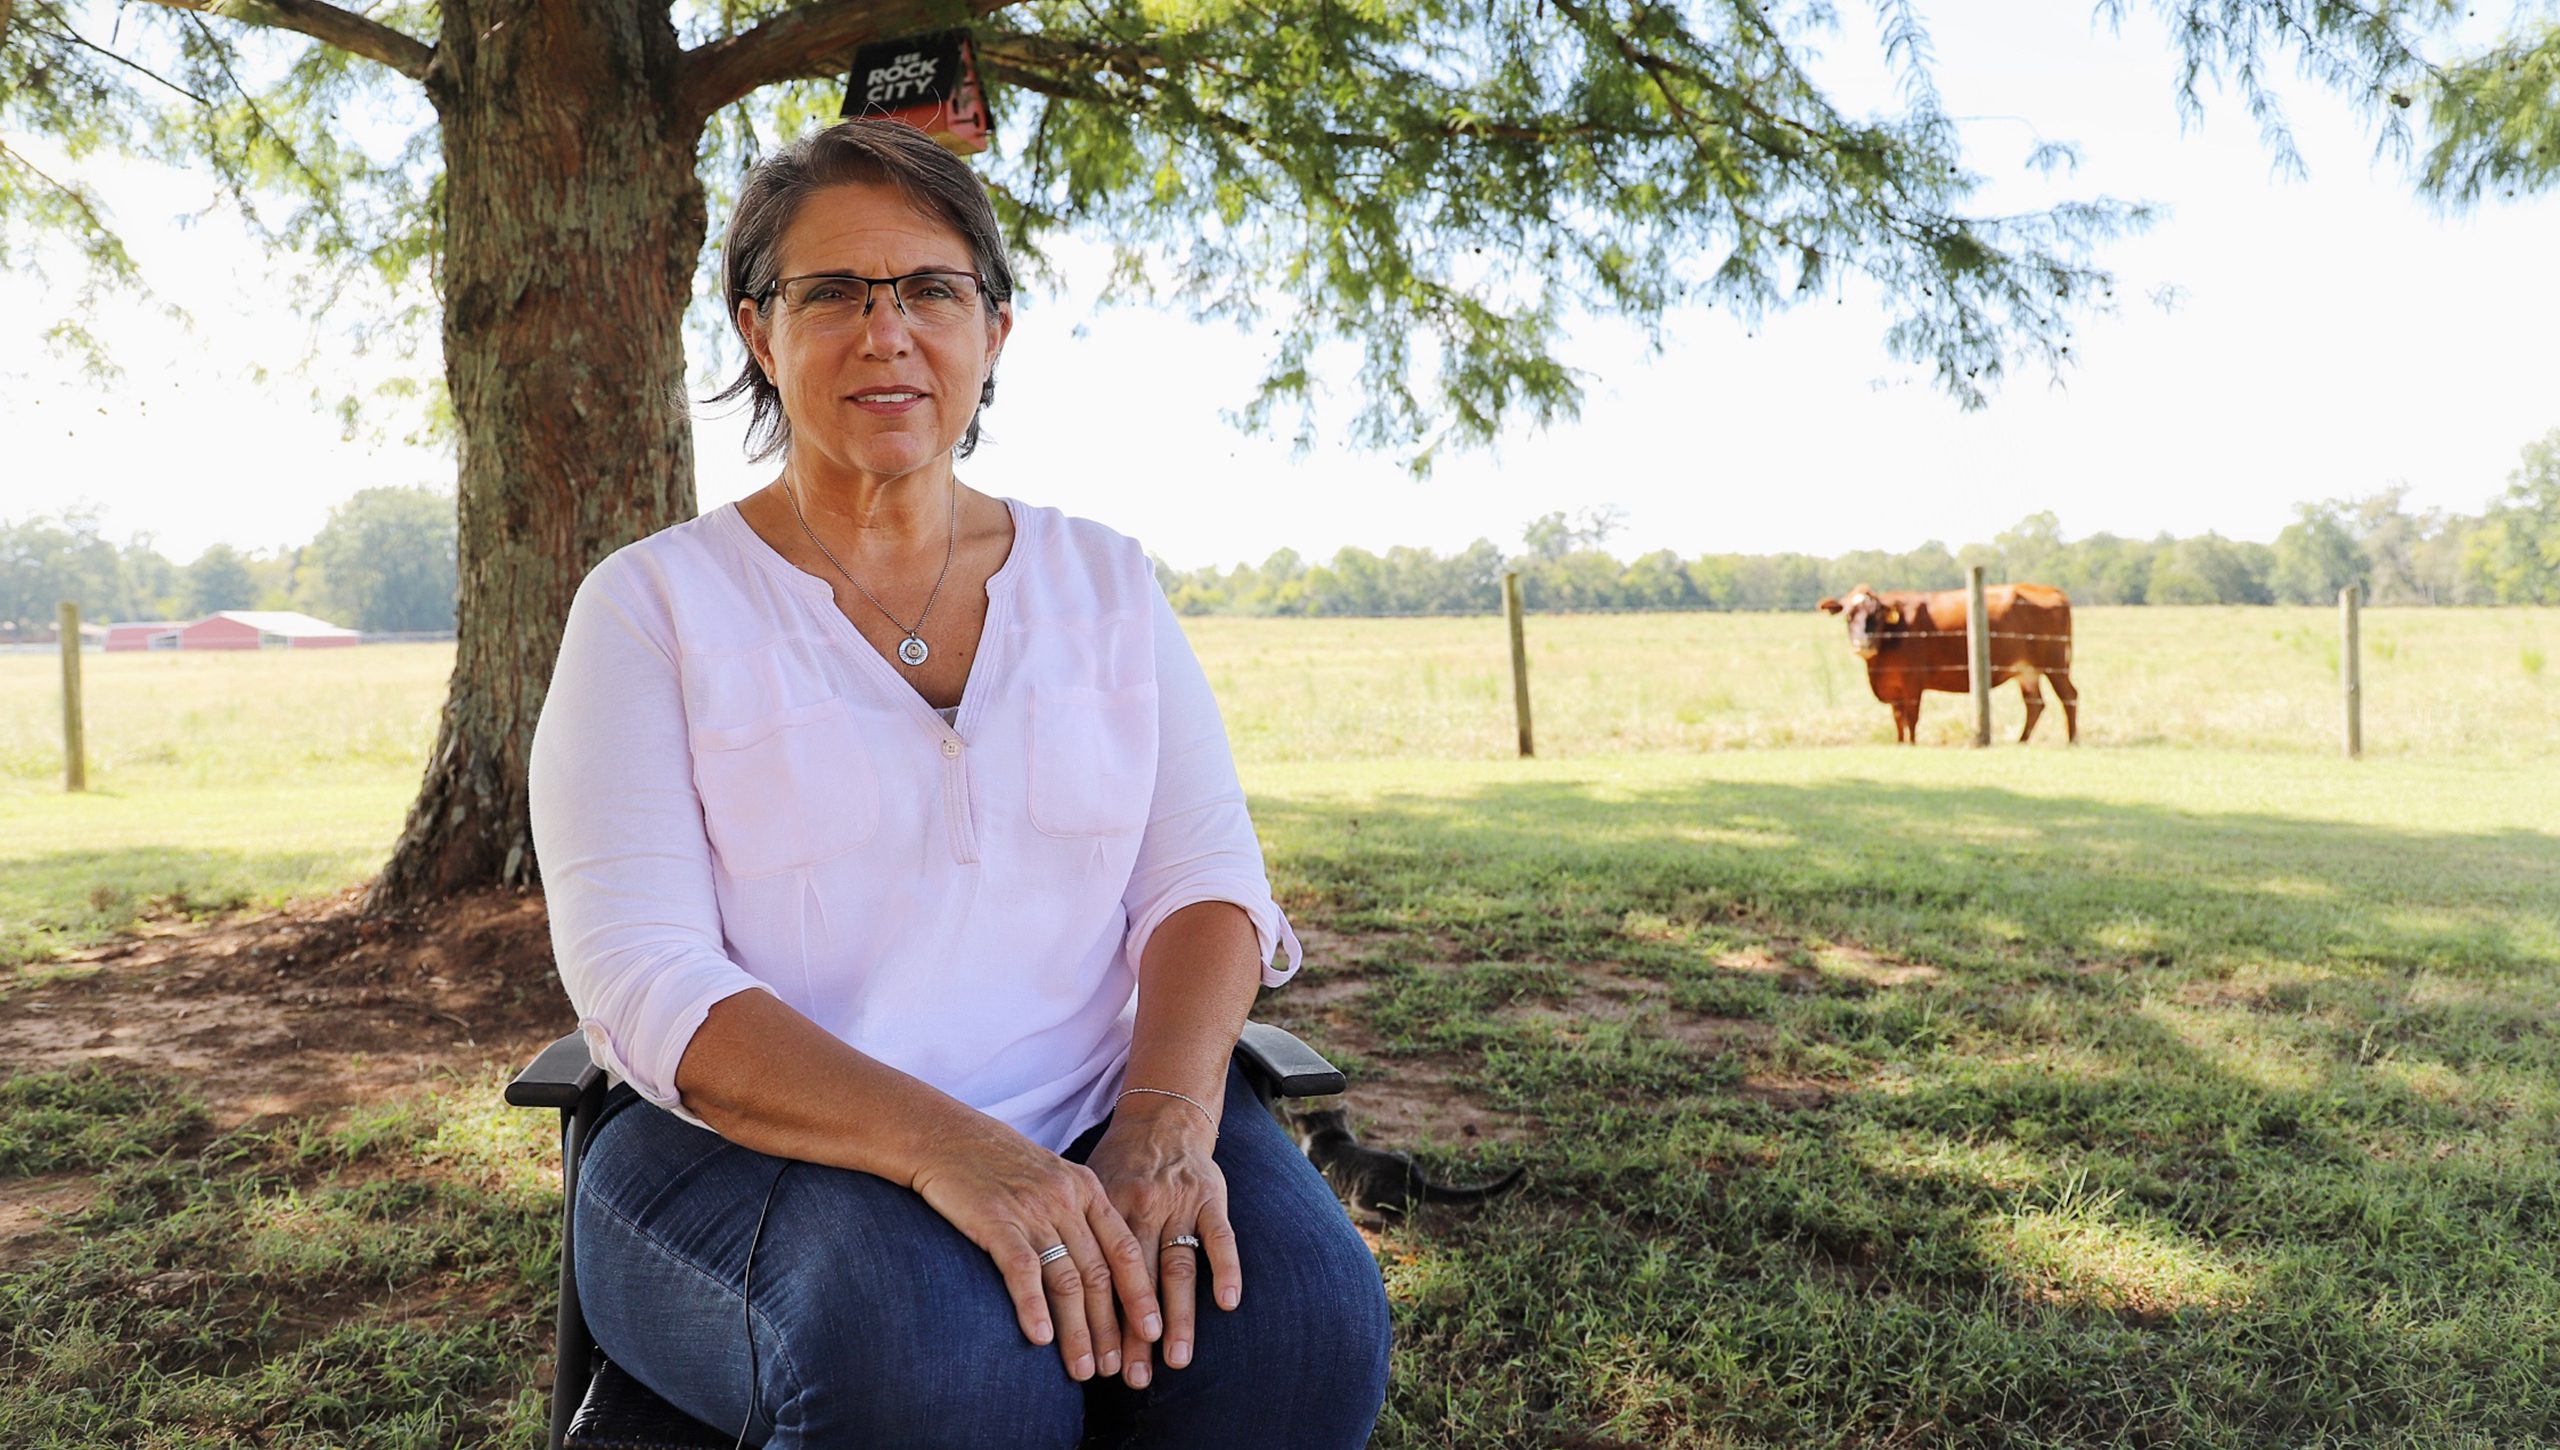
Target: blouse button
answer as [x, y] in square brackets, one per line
[950, 749]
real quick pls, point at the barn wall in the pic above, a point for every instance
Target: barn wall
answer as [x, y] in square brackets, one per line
[218, 634]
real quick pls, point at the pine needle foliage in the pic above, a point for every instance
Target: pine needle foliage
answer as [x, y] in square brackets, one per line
[1437, 186]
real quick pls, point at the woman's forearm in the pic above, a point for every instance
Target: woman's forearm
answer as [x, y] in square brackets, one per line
[1196, 981]
[766, 1077]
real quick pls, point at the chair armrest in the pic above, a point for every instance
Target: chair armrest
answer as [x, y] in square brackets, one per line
[557, 1078]
[1294, 1069]
[562, 1073]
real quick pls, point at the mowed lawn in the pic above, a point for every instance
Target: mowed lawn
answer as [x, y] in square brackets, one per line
[2192, 1087]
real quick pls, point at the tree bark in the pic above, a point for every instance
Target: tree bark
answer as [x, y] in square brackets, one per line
[573, 222]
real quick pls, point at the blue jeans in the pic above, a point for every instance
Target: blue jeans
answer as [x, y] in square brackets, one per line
[878, 1323]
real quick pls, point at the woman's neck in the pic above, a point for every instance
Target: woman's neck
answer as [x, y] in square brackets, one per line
[895, 511]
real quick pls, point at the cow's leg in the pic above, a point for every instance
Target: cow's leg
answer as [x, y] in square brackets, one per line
[1906, 721]
[2064, 691]
[2034, 697]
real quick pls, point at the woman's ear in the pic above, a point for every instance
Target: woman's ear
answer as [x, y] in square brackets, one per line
[997, 331]
[750, 322]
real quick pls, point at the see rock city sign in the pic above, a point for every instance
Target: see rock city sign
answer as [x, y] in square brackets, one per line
[928, 81]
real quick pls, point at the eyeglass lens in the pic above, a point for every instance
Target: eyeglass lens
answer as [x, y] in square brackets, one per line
[930, 299]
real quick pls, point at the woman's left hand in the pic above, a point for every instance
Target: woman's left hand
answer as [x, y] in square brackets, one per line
[1154, 1162]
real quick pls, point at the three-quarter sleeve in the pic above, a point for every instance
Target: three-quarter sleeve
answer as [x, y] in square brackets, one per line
[618, 830]
[1199, 843]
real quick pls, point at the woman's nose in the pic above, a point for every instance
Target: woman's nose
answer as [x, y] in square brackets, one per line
[884, 327]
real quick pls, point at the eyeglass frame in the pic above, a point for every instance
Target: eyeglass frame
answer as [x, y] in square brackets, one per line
[762, 299]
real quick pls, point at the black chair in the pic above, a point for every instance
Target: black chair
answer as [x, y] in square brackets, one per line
[594, 1404]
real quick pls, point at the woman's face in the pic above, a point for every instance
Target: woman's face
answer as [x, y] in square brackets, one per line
[882, 394]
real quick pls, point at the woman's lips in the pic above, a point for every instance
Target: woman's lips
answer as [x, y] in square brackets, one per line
[889, 401]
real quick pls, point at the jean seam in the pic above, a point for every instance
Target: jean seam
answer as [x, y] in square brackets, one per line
[781, 1349]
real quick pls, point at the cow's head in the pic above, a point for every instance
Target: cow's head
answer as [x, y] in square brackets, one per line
[1870, 617]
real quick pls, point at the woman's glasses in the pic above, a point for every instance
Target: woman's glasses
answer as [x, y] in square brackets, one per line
[925, 299]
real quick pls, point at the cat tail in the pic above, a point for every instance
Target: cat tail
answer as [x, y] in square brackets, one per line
[1435, 1193]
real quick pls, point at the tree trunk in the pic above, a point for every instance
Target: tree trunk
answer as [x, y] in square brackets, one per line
[573, 222]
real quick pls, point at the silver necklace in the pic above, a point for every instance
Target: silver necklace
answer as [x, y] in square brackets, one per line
[912, 649]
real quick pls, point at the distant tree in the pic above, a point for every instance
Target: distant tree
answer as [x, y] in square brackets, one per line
[1715, 580]
[2210, 569]
[2316, 556]
[2106, 569]
[2393, 541]
[2030, 548]
[386, 561]
[1986, 556]
[1782, 582]
[150, 586]
[2443, 563]
[2515, 553]
[1656, 581]
[1931, 566]
[47, 559]
[1867, 566]
[219, 579]
[1553, 536]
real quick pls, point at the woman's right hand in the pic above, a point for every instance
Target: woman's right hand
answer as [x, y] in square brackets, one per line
[1014, 1199]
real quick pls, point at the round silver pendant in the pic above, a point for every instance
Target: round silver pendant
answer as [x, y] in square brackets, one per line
[913, 651]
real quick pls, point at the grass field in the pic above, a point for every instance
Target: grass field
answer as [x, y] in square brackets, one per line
[2190, 1088]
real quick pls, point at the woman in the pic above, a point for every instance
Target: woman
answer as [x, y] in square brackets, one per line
[899, 872]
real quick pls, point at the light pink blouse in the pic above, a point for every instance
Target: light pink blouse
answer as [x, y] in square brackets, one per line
[733, 791]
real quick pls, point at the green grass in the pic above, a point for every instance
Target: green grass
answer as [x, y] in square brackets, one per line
[2206, 1108]
[2436, 682]
[380, 1285]
[2190, 1088]
[217, 782]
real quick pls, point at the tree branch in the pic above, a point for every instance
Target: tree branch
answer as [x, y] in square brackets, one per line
[325, 23]
[811, 41]
[85, 43]
[72, 194]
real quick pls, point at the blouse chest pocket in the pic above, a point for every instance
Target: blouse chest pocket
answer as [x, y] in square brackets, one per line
[787, 791]
[1093, 759]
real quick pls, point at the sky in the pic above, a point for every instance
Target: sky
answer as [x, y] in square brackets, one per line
[2327, 337]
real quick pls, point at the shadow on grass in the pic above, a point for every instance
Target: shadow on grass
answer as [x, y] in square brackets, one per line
[1970, 875]
[2200, 1129]
[58, 901]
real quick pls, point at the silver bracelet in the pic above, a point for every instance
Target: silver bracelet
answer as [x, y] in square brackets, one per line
[1196, 1105]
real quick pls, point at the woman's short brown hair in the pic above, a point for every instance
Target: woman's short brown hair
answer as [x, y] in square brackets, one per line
[870, 152]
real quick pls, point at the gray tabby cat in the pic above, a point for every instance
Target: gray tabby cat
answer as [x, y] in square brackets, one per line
[1375, 1181]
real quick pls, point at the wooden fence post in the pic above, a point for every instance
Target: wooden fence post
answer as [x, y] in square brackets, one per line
[1977, 653]
[1519, 659]
[75, 751]
[2351, 664]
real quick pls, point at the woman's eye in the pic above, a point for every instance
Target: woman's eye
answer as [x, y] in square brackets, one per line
[932, 292]
[828, 292]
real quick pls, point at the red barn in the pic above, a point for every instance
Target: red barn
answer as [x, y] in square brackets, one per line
[263, 629]
[144, 634]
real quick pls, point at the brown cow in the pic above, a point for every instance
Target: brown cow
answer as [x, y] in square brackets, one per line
[1914, 642]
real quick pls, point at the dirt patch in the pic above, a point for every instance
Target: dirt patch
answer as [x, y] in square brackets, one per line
[28, 1207]
[304, 1012]
[1405, 1099]
[1789, 1094]
[1607, 992]
[1826, 966]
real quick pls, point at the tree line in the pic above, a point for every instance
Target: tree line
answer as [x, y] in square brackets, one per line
[2507, 554]
[385, 562]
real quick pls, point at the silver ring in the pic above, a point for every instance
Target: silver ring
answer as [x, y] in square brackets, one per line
[1052, 1254]
[1183, 1241]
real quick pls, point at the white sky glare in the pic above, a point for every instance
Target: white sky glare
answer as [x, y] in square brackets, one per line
[2333, 336]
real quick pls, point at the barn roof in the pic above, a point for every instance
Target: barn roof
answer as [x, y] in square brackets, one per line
[281, 621]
